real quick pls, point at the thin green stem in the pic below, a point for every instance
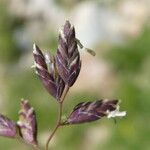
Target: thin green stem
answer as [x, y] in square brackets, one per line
[59, 116]
[64, 93]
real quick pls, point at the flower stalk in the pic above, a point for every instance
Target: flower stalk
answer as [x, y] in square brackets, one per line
[59, 122]
[58, 73]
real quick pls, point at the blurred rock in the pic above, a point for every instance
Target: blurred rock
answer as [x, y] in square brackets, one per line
[135, 14]
[42, 20]
[99, 23]
[95, 75]
[94, 22]
[96, 136]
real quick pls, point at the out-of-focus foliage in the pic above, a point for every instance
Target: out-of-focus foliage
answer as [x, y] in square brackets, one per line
[131, 56]
[8, 49]
[131, 63]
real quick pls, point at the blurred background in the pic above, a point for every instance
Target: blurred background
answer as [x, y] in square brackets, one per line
[118, 31]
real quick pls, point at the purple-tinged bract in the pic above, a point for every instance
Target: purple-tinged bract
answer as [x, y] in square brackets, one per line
[8, 128]
[47, 71]
[68, 57]
[91, 111]
[27, 123]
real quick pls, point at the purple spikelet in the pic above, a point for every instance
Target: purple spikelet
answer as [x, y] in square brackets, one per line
[47, 71]
[8, 128]
[27, 123]
[68, 57]
[91, 111]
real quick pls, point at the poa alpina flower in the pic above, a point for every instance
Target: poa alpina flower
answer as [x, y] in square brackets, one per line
[68, 57]
[58, 74]
[47, 71]
[91, 111]
[8, 127]
[27, 123]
